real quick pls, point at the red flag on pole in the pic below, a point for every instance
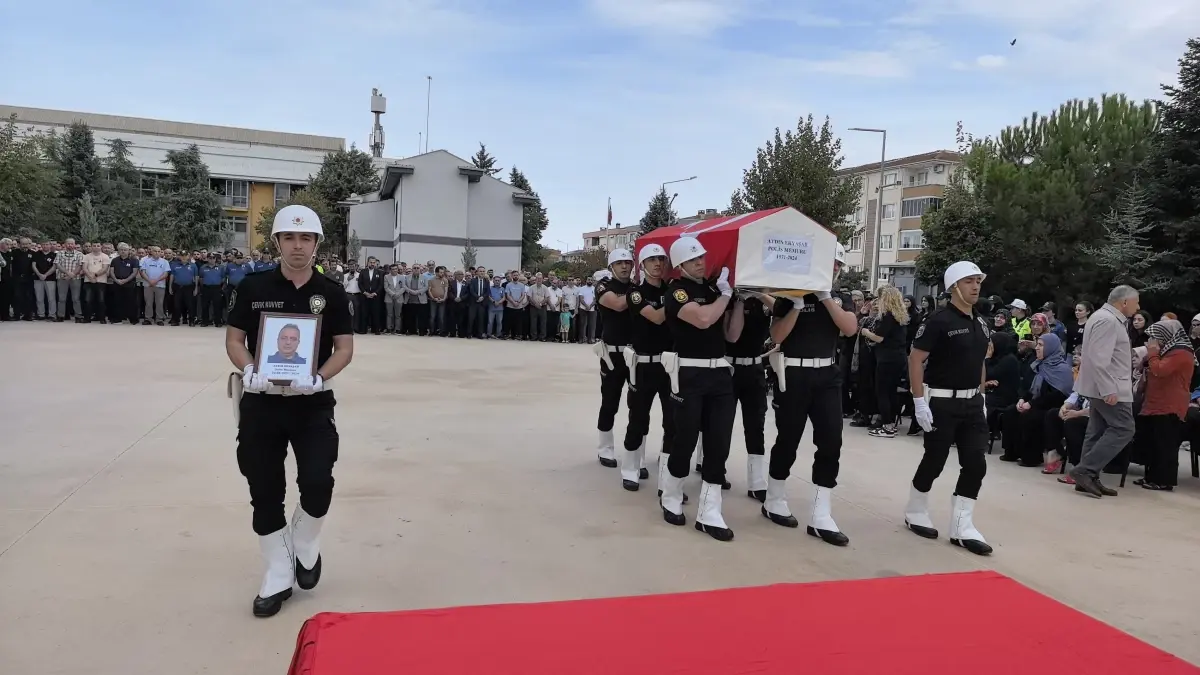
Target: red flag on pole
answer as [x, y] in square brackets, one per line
[610, 211]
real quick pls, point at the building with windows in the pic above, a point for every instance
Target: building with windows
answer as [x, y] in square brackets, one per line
[910, 187]
[250, 169]
[609, 238]
[435, 205]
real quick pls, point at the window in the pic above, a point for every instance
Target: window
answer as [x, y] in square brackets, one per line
[918, 178]
[911, 240]
[890, 179]
[885, 242]
[856, 242]
[234, 193]
[150, 184]
[889, 211]
[283, 192]
[234, 223]
[915, 208]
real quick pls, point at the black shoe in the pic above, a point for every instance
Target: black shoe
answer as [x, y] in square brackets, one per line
[1009, 458]
[643, 473]
[973, 545]
[631, 485]
[610, 463]
[145, 322]
[673, 518]
[1105, 490]
[1087, 484]
[829, 536]
[914, 430]
[264, 607]
[760, 495]
[859, 423]
[718, 533]
[307, 579]
[921, 530]
[786, 521]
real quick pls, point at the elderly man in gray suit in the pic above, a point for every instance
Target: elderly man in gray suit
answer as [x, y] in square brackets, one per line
[1106, 379]
[416, 290]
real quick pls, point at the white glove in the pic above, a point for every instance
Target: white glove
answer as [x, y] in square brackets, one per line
[252, 381]
[723, 283]
[922, 414]
[307, 385]
[822, 295]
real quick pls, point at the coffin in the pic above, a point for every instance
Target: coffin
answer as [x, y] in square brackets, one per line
[779, 251]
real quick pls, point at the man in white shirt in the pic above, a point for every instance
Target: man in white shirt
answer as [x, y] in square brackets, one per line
[350, 283]
[553, 310]
[585, 318]
[570, 303]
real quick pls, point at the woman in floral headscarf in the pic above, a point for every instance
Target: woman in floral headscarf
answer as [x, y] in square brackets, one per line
[1169, 365]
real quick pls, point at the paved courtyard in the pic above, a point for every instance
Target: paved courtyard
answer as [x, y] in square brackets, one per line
[466, 476]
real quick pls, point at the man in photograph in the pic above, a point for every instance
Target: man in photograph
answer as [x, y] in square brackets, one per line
[287, 342]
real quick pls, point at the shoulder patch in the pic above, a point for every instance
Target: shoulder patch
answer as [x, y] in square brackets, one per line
[635, 297]
[600, 288]
[920, 332]
[680, 295]
[232, 298]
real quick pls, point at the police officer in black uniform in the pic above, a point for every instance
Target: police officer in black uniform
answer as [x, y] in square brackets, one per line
[810, 388]
[947, 374]
[270, 416]
[747, 327]
[701, 385]
[649, 338]
[612, 300]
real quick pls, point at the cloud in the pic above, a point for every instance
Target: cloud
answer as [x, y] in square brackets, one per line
[990, 61]
[684, 17]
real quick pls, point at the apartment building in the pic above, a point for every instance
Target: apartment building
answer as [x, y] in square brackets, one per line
[907, 188]
[610, 238]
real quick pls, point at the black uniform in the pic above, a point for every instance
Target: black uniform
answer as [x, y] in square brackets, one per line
[812, 394]
[705, 402]
[956, 343]
[615, 332]
[648, 339]
[750, 381]
[269, 422]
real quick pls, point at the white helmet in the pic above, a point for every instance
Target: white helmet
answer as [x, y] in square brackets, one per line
[651, 251]
[839, 253]
[297, 218]
[619, 255]
[685, 249]
[961, 270]
[601, 275]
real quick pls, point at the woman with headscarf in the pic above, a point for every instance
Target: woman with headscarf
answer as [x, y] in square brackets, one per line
[1002, 323]
[1024, 425]
[1002, 377]
[1170, 362]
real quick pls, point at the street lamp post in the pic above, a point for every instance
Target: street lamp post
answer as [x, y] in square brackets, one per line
[873, 274]
[663, 187]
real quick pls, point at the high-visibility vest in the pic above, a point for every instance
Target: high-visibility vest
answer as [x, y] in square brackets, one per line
[1022, 329]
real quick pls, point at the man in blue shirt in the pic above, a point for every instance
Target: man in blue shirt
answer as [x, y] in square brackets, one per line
[183, 291]
[235, 271]
[212, 291]
[154, 270]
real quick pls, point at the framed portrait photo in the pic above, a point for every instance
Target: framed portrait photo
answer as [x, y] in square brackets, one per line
[287, 346]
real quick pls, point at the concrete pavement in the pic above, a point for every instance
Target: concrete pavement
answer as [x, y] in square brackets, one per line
[467, 475]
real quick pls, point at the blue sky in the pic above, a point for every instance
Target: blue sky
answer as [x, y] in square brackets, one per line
[594, 98]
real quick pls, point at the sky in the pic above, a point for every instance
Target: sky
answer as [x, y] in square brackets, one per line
[595, 99]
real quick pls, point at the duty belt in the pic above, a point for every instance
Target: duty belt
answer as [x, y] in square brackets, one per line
[649, 358]
[950, 393]
[704, 363]
[808, 363]
[745, 360]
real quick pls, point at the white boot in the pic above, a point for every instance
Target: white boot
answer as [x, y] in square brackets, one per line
[820, 523]
[279, 576]
[306, 532]
[708, 514]
[916, 514]
[962, 527]
[642, 473]
[606, 450]
[775, 505]
[756, 476]
[631, 465]
[672, 498]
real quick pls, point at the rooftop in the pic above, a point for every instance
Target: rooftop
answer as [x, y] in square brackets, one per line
[948, 156]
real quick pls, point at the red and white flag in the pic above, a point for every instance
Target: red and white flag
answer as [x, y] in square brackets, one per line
[610, 211]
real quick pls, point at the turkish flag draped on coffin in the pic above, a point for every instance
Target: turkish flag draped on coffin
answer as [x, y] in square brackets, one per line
[778, 249]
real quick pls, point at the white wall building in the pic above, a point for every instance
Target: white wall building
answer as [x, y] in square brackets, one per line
[911, 185]
[251, 169]
[610, 238]
[429, 207]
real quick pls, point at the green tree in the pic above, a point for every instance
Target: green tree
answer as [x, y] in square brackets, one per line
[343, 173]
[484, 160]
[124, 214]
[1173, 177]
[30, 185]
[353, 247]
[1125, 255]
[799, 169]
[89, 225]
[190, 212]
[79, 164]
[533, 222]
[469, 256]
[266, 217]
[854, 280]
[586, 263]
[658, 213]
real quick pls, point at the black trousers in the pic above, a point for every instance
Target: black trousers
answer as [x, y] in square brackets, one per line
[125, 297]
[812, 394]
[8, 291]
[458, 318]
[1074, 431]
[268, 423]
[611, 384]
[652, 382]
[93, 301]
[477, 318]
[704, 405]
[955, 421]
[356, 312]
[184, 302]
[865, 398]
[516, 322]
[374, 313]
[1160, 447]
[750, 389]
[211, 308]
[889, 370]
[416, 319]
[1025, 433]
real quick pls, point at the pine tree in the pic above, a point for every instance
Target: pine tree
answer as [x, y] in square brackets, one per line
[30, 187]
[1125, 255]
[353, 247]
[191, 209]
[658, 213]
[485, 161]
[123, 213]
[89, 226]
[79, 164]
[469, 255]
[343, 173]
[533, 224]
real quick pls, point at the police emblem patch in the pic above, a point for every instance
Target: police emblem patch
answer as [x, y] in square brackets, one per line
[635, 296]
[316, 303]
[920, 332]
[680, 295]
[232, 298]
[600, 288]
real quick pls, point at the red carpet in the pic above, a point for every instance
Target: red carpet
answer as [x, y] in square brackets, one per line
[980, 623]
